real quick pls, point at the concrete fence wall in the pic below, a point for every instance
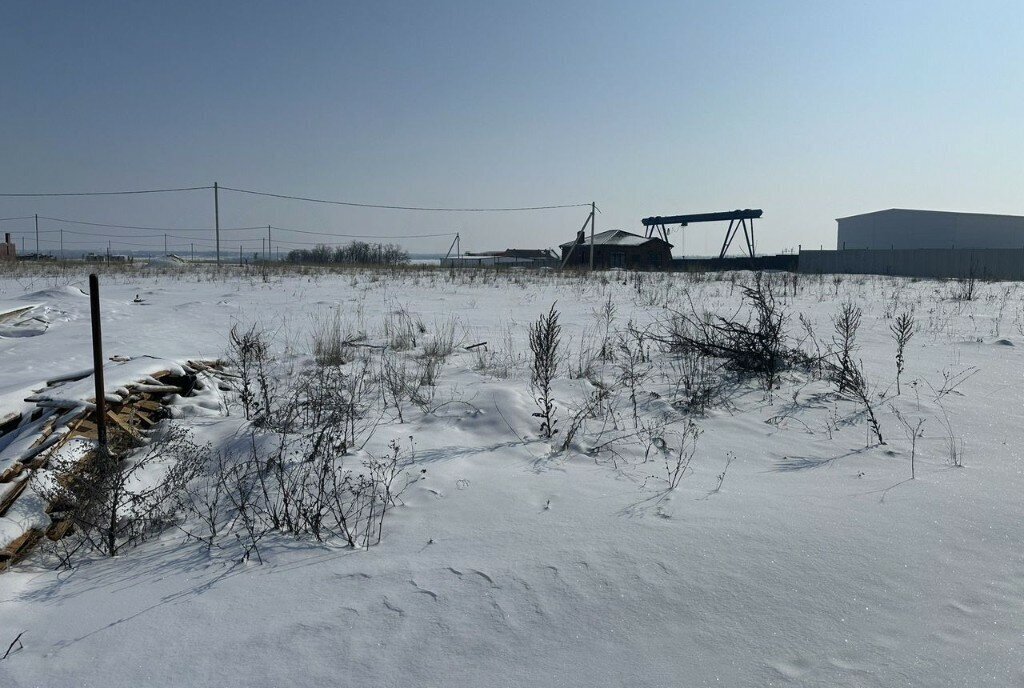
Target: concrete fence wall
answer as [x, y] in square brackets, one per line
[786, 262]
[983, 263]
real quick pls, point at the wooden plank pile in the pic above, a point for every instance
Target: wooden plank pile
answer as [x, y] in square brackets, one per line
[13, 314]
[131, 412]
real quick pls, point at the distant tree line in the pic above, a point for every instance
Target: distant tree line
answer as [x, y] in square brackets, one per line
[358, 252]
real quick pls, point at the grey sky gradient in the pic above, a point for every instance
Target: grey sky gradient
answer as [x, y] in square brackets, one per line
[809, 110]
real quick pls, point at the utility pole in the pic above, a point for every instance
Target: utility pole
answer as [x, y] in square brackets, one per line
[216, 218]
[37, 236]
[62, 244]
[455, 245]
[108, 250]
[270, 250]
[593, 219]
[165, 243]
[192, 247]
[263, 248]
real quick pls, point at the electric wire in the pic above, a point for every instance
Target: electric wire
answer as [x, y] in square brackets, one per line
[103, 193]
[403, 207]
[364, 236]
[306, 199]
[144, 228]
[277, 241]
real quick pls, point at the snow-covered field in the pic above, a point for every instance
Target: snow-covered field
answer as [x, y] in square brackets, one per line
[795, 550]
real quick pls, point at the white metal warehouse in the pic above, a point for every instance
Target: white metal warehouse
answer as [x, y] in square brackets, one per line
[912, 229]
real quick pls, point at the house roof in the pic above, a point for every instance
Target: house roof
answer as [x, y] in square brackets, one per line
[617, 237]
[515, 253]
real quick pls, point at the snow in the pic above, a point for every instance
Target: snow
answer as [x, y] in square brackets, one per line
[814, 561]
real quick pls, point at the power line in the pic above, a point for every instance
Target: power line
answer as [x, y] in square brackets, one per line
[404, 207]
[282, 242]
[105, 235]
[155, 229]
[82, 238]
[24, 217]
[227, 229]
[259, 228]
[103, 193]
[119, 236]
[352, 204]
[155, 244]
[365, 236]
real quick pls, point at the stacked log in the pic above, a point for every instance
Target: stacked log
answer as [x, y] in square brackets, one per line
[132, 411]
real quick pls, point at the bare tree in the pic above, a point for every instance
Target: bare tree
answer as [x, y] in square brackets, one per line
[545, 337]
[633, 365]
[677, 459]
[902, 330]
[106, 500]
[755, 345]
[846, 324]
[396, 382]
[913, 432]
[249, 356]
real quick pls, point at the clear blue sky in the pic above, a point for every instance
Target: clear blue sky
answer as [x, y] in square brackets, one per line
[809, 110]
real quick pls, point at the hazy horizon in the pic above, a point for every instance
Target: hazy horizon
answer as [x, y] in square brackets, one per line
[808, 112]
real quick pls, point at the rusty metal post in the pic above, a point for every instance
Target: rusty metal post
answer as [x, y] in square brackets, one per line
[97, 361]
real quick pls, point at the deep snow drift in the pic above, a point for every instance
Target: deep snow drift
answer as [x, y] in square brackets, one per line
[794, 551]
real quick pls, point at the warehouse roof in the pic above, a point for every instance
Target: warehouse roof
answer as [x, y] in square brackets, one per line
[530, 253]
[937, 212]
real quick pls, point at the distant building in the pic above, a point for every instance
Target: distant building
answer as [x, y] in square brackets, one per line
[617, 248]
[7, 251]
[916, 229]
[106, 258]
[510, 257]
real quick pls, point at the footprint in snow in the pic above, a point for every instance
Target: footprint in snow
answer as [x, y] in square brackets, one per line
[486, 578]
[360, 575]
[791, 669]
[397, 610]
[475, 572]
[422, 590]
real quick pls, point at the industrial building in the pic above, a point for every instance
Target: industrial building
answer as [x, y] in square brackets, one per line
[510, 257]
[616, 248]
[917, 229]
